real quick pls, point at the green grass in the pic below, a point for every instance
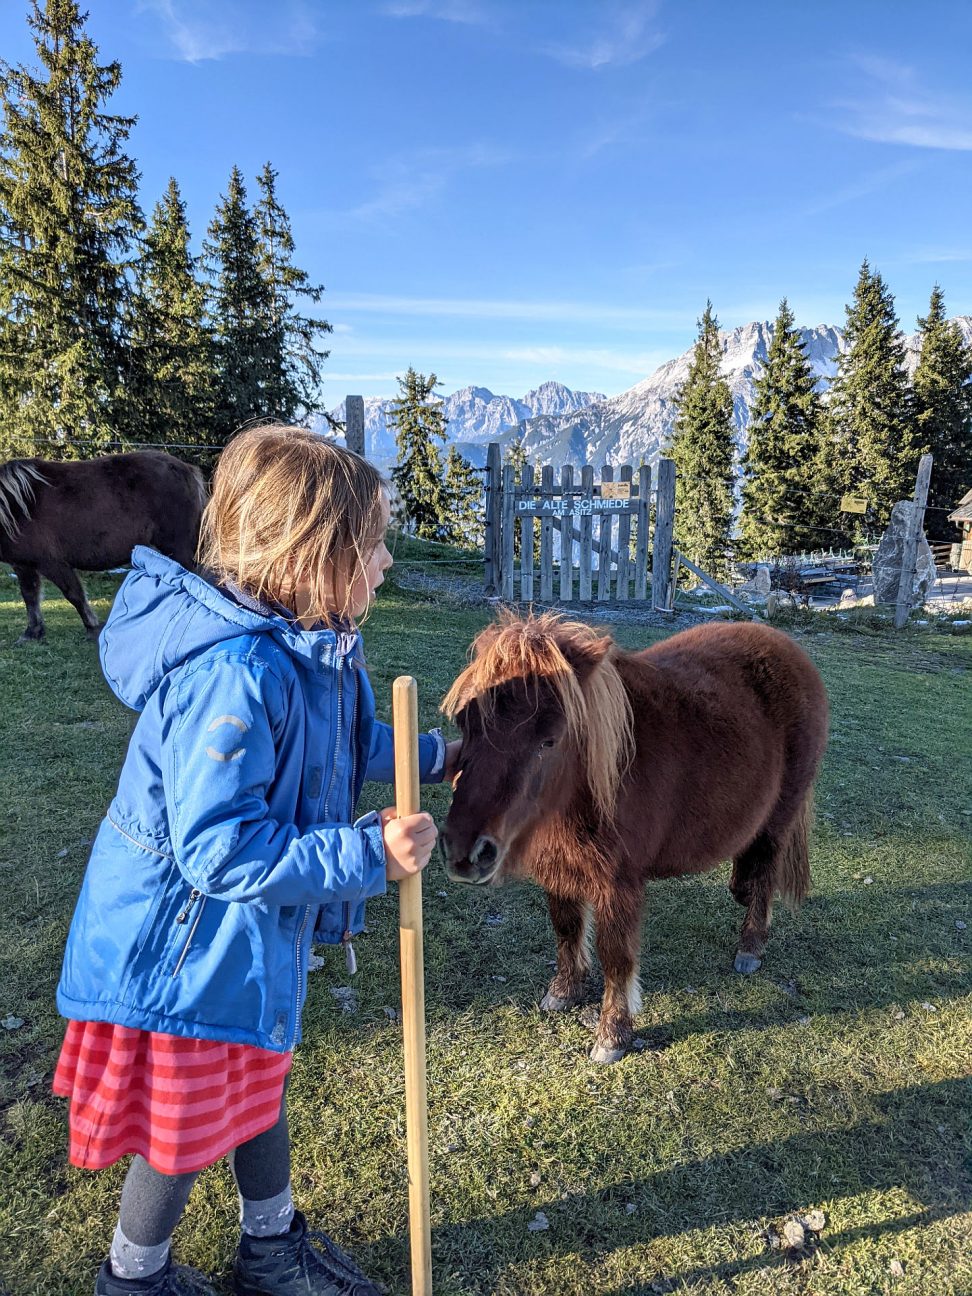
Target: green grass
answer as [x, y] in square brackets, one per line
[837, 1079]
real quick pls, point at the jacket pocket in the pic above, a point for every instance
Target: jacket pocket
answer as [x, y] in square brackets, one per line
[189, 917]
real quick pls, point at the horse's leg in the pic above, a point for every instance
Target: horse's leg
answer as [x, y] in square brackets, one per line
[30, 588]
[66, 580]
[752, 885]
[618, 919]
[571, 923]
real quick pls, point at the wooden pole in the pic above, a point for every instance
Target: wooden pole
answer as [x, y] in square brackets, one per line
[491, 539]
[909, 551]
[661, 553]
[405, 718]
[354, 424]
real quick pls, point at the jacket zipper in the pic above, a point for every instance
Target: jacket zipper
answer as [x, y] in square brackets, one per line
[183, 917]
[300, 941]
[350, 957]
[337, 737]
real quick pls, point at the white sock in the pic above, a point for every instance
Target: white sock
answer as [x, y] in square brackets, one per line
[129, 1260]
[267, 1218]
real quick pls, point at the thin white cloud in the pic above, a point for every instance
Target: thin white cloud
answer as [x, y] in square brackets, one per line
[623, 33]
[936, 256]
[629, 317]
[468, 12]
[870, 183]
[897, 109]
[434, 351]
[201, 30]
[413, 180]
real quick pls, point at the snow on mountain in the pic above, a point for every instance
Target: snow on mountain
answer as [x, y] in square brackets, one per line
[562, 426]
[474, 416]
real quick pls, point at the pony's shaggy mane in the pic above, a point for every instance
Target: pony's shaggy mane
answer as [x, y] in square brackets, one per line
[597, 712]
[17, 480]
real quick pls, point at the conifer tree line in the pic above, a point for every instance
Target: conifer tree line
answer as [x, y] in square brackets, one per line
[112, 330]
[436, 500]
[807, 449]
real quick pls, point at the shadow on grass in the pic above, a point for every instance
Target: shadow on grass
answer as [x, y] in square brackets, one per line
[919, 1144]
[823, 961]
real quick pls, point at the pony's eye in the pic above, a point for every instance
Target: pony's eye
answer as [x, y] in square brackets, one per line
[547, 742]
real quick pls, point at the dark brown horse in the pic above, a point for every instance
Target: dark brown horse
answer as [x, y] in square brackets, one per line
[592, 770]
[91, 514]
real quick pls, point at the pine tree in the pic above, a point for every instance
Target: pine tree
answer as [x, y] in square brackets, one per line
[294, 384]
[516, 458]
[417, 415]
[463, 491]
[69, 215]
[869, 426]
[781, 463]
[240, 307]
[173, 389]
[702, 448]
[942, 400]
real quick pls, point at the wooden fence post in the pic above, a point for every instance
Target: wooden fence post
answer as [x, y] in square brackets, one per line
[909, 553]
[641, 532]
[586, 536]
[661, 553]
[508, 562]
[624, 540]
[354, 436]
[566, 537]
[491, 536]
[526, 539]
[546, 537]
[604, 544]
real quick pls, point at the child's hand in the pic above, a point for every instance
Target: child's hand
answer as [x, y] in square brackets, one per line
[451, 761]
[408, 843]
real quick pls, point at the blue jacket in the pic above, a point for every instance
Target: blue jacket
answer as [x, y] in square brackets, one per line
[229, 844]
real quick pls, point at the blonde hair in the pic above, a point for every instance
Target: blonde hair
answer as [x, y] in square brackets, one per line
[287, 506]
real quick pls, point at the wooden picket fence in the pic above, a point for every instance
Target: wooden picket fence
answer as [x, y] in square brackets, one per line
[605, 549]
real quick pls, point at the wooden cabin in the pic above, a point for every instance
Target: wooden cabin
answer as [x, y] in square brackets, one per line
[962, 517]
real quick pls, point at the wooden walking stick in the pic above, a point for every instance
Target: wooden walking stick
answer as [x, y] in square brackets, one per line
[405, 724]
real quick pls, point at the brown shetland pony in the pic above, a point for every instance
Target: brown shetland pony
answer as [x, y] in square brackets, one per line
[592, 769]
[55, 516]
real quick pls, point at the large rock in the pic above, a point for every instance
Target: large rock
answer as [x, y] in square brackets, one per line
[887, 560]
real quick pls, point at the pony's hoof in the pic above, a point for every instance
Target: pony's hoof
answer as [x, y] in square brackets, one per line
[747, 964]
[605, 1055]
[552, 1003]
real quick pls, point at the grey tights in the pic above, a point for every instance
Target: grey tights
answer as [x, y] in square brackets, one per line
[152, 1203]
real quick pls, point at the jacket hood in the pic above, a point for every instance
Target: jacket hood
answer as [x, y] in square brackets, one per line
[163, 615]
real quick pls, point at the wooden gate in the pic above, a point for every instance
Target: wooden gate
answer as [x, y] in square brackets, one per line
[561, 537]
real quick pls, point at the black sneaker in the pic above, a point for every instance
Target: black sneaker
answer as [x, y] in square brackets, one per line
[297, 1263]
[171, 1280]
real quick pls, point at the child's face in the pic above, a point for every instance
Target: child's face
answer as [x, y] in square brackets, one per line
[366, 581]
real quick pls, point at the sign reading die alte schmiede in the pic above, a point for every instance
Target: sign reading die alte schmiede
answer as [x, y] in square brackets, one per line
[565, 505]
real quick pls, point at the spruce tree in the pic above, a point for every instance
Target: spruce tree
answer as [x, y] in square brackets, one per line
[463, 492]
[871, 437]
[781, 463]
[516, 458]
[419, 422]
[68, 217]
[173, 388]
[246, 352]
[702, 448]
[294, 389]
[942, 402]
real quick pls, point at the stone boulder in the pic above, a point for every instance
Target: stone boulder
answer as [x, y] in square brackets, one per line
[887, 560]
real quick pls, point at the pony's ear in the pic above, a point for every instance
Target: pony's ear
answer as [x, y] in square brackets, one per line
[485, 639]
[586, 654]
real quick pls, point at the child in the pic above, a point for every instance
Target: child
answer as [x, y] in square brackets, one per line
[229, 847]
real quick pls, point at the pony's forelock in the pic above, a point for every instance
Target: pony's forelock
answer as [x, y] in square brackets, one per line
[597, 713]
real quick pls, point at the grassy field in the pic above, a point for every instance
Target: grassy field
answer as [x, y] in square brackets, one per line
[835, 1081]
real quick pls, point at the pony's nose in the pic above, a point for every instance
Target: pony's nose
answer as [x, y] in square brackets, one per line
[485, 853]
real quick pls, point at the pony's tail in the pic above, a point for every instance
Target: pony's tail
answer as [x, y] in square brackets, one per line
[793, 860]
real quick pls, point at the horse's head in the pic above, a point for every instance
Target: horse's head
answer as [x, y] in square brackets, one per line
[545, 720]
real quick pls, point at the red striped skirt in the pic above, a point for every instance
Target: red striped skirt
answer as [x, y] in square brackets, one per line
[180, 1103]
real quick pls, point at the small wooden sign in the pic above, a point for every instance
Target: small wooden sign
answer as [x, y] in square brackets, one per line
[616, 490]
[853, 504]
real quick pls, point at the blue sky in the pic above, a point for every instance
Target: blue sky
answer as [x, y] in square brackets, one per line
[506, 191]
